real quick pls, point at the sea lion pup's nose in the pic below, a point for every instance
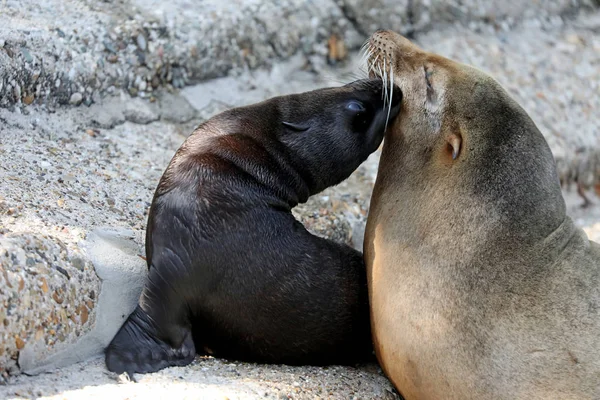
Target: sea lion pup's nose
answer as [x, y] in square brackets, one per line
[396, 95]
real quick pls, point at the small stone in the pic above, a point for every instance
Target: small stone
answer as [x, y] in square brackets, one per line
[575, 39]
[112, 58]
[39, 334]
[44, 285]
[92, 132]
[84, 314]
[57, 297]
[109, 46]
[141, 42]
[19, 342]
[28, 99]
[26, 55]
[76, 98]
[78, 263]
[60, 202]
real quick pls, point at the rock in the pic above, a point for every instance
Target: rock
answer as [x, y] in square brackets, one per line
[27, 294]
[175, 108]
[140, 111]
[106, 115]
[76, 99]
[141, 42]
[107, 47]
[122, 272]
[371, 15]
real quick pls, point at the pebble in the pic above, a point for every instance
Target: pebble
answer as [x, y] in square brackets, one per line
[26, 55]
[112, 58]
[76, 98]
[109, 46]
[141, 42]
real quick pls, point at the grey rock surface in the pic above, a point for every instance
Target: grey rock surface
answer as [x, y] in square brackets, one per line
[428, 14]
[136, 46]
[74, 52]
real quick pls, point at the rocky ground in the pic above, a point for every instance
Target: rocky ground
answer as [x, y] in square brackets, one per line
[76, 182]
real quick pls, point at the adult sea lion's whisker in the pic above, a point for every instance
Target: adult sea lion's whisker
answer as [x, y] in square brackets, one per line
[391, 95]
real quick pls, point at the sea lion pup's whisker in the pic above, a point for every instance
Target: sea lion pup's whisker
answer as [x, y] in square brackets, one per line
[363, 64]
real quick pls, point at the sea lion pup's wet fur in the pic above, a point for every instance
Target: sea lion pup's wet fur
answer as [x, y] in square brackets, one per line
[480, 285]
[231, 271]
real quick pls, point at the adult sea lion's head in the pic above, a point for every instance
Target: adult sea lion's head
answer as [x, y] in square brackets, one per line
[460, 132]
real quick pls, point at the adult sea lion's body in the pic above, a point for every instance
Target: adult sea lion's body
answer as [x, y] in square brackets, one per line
[480, 285]
[231, 272]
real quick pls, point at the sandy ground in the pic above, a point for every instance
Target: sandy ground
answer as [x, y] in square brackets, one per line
[90, 380]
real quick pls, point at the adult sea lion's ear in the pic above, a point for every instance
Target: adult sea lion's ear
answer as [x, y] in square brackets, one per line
[454, 144]
[296, 127]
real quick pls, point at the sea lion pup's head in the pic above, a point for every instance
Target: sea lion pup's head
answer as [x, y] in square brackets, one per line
[324, 134]
[460, 136]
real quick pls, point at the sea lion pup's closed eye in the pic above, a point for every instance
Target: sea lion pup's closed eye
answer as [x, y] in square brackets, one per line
[231, 272]
[480, 285]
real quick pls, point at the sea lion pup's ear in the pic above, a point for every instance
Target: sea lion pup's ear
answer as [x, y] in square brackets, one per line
[296, 127]
[454, 144]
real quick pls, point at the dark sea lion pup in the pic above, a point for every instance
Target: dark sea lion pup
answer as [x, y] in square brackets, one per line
[231, 271]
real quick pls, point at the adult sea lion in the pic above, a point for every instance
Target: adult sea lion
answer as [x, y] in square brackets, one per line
[480, 285]
[231, 271]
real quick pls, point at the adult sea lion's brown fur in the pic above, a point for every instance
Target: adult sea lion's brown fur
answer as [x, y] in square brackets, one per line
[480, 285]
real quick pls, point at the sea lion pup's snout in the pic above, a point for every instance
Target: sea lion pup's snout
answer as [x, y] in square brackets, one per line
[376, 104]
[333, 130]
